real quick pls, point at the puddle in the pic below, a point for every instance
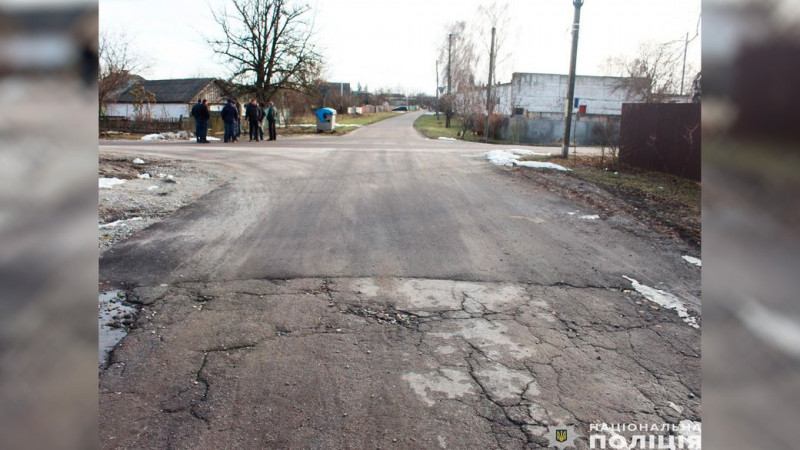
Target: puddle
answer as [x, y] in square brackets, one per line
[113, 320]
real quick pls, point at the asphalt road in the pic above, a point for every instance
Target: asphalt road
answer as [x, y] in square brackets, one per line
[381, 289]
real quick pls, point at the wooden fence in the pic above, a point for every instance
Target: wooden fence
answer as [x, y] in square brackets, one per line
[663, 137]
[145, 126]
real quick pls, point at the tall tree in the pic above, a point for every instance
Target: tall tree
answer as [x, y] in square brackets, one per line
[463, 97]
[268, 45]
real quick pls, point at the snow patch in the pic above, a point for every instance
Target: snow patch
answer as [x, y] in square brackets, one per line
[152, 187]
[442, 138]
[692, 260]
[138, 161]
[144, 176]
[117, 223]
[542, 165]
[510, 157]
[168, 136]
[666, 300]
[108, 183]
[591, 217]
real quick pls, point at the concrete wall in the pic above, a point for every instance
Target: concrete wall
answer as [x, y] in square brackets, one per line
[545, 94]
[551, 131]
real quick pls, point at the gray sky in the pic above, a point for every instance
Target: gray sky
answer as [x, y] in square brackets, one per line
[394, 44]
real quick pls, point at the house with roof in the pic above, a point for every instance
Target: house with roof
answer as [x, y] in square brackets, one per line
[173, 98]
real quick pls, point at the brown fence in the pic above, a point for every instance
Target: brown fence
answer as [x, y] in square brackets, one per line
[148, 126]
[663, 137]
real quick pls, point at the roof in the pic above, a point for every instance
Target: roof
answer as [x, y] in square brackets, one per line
[184, 90]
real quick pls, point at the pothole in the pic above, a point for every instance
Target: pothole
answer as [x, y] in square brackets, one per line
[115, 318]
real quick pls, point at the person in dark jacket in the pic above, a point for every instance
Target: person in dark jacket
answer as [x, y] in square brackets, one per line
[195, 110]
[273, 135]
[261, 121]
[237, 126]
[202, 116]
[253, 114]
[228, 114]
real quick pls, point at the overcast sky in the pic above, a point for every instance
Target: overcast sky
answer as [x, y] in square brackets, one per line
[394, 44]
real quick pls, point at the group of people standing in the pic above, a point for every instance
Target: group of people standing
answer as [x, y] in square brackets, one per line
[257, 116]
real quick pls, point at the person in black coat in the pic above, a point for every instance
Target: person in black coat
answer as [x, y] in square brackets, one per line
[273, 135]
[202, 116]
[253, 114]
[194, 114]
[263, 108]
[228, 115]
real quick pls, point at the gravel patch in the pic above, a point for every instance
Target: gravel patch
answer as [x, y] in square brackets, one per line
[152, 190]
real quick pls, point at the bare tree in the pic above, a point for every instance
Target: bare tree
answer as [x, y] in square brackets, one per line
[142, 101]
[607, 134]
[268, 44]
[466, 96]
[652, 75]
[118, 61]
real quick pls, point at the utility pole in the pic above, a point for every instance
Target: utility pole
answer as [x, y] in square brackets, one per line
[448, 111]
[683, 71]
[437, 90]
[489, 90]
[576, 24]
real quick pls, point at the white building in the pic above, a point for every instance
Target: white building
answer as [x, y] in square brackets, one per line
[174, 98]
[543, 95]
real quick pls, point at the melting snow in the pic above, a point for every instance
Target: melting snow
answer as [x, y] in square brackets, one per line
[118, 222]
[692, 260]
[144, 176]
[665, 299]
[138, 161]
[592, 217]
[108, 183]
[510, 157]
[442, 138]
[167, 136]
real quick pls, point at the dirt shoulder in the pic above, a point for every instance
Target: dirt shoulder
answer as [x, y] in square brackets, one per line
[666, 204]
[138, 195]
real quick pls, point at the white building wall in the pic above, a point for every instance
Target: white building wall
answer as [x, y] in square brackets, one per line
[546, 94]
[157, 110]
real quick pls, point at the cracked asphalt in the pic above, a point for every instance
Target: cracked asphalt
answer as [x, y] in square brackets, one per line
[378, 290]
